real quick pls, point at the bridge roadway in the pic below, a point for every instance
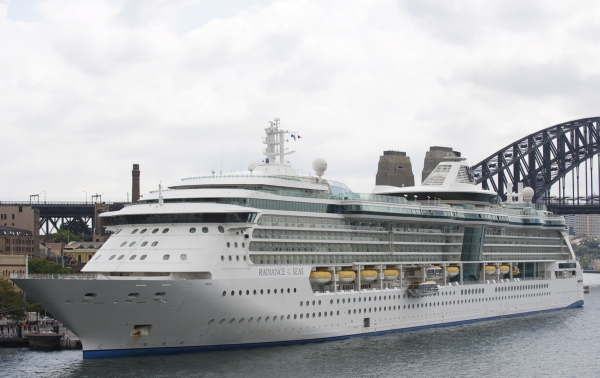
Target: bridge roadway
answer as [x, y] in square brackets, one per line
[53, 214]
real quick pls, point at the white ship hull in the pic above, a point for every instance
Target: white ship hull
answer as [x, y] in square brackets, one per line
[194, 314]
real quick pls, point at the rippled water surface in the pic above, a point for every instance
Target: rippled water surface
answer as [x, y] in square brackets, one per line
[557, 344]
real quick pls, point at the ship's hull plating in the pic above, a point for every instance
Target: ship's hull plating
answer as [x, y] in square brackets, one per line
[212, 315]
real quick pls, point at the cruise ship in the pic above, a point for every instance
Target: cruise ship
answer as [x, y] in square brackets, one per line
[272, 257]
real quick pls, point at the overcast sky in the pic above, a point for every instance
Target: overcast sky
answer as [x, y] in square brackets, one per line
[182, 87]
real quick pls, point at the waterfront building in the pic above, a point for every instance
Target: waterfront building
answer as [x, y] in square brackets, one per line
[80, 252]
[587, 225]
[23, 218]
[14, 241]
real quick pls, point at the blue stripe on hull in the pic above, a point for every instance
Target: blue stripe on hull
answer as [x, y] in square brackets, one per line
[91, 354]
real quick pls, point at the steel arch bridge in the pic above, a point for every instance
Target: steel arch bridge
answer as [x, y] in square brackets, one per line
[543, 159]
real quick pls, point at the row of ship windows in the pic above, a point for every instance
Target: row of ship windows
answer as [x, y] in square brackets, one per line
[349, 259]
[521, 287]
[164, 231]
[237, 258]
[183, 257]
[380, 309]
[261, 292]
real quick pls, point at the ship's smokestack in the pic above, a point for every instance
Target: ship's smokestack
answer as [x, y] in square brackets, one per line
[135, 183]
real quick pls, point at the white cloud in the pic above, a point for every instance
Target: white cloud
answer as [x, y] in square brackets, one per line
[89, 88]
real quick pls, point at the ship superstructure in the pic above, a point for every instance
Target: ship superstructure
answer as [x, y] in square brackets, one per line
[268, 256]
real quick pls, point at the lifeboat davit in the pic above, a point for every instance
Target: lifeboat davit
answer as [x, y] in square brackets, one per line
[390, 274]
[368, 275]
[504, 269]
[346, 275]
[452, 271]
[319, 277]
[490, 270]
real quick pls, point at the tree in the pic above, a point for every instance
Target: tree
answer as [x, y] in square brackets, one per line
[10, 300]
[582, 249]
[43, 266]
[64, 236]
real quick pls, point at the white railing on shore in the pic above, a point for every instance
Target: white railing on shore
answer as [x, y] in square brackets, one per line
[53, 276]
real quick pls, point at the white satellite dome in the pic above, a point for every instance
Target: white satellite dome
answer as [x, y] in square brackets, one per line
[527, 194]
[252, 166]
[320, 166]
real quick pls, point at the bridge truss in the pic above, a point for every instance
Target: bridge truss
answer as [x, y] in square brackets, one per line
[545, 158]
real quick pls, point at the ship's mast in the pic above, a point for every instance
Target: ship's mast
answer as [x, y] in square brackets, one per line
[275, 142]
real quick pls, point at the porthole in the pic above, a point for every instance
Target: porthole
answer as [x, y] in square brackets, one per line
[154, 244]
[224, 293]
[166, 257]
[301, 316]
[143, 231]
[229, 257]
[123, 244]
[183, 257]
[205, 230]
[235, 245]
[165, 231]
[247, 292]
[245, 260]
[331, 301]
[121, 257]
[295, 316]
[294, 290]
[275, 291]
[134, 231]
[111, 257]
[319, 302]
[232, 293]
[132, 257]
[192, 230]
[313, 303]
[254, 292]
[237, 258]
[243, 245]
[118, 231]
[221, 229]
[155, 231]
[288, 290]
[228, 245]
[131, 244]
[144, 244]
[143, 257]
[222, 258]
[301, 303]
[261, 291]
[268, 291]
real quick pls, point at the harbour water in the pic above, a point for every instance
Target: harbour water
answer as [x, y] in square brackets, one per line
[564, 343]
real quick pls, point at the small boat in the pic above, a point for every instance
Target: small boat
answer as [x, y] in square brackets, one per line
[421, 289]
[368, 275]
[490, 270]
[319, 277]
[452, 271]
[346, 275]
[504, 269]
[390, 274]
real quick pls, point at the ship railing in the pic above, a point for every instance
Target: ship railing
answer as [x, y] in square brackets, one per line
[56, 276]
